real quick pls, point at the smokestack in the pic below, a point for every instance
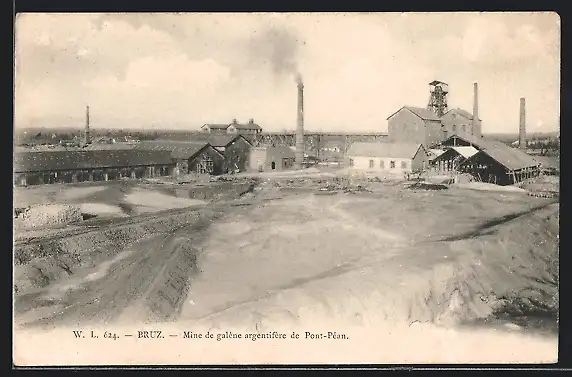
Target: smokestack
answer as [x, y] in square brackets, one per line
[87, 139]
[475, 101]
[476, 128]
[522, 127]
[300, 125]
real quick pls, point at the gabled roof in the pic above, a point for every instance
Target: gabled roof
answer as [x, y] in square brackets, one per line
[239, 126]
[466, 140]
[178, 149]
[373, 149]
[463, 113]
[246, 126]
[216, 126]
[511, 158]
[217, 141]
[422, 113]
[465, 151]
[87, 159]
[548, 162]
[437, 152]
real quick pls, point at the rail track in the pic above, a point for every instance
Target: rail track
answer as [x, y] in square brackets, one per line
[93, 225]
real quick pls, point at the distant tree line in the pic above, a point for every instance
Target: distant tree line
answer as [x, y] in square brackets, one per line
[31, 137]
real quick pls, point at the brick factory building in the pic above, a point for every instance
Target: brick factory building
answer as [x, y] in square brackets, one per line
[436, 122]
[234, 148]
[189, 156]
[414, 125]
[249, 130]
[271, 158]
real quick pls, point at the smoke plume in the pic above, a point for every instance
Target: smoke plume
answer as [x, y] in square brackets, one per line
[278, 47]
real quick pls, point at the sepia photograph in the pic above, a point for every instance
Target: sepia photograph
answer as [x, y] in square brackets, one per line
[286, 188]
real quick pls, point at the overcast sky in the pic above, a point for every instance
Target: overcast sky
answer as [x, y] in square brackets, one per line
[184, 70]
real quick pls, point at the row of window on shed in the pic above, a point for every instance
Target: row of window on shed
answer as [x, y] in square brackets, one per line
[382, 164]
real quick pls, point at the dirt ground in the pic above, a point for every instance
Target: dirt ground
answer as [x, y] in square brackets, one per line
[392, 256]
[102, 200]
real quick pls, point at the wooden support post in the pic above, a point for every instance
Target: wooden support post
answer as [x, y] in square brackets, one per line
[514, 178]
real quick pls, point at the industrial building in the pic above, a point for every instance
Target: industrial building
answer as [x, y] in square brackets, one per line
[234, 148]
[42, 167]
[459, 122]
[391, 158]
[501, 165]
[414, 125]
[249, 129]
[452, 158]
[494, 161]
[436, 122]
[271, 158]
[190, 157]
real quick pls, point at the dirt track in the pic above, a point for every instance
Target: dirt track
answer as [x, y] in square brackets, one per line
[139, 276]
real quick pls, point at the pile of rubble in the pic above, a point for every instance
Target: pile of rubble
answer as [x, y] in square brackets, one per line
[50, 214]
[427, 186]
[341, 184]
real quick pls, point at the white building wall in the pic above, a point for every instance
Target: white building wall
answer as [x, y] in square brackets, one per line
[363, 164]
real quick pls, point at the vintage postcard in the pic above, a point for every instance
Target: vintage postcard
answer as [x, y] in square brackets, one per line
[286, 188]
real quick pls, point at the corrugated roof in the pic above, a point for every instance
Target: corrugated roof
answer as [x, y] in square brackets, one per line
[420, 112]
[87, 159]
[466, 151]
[396, 150]
[179, 149]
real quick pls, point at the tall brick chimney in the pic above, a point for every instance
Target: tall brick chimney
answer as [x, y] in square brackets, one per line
[300, 125]
[87, 139]
[476, 124]
[522, 125]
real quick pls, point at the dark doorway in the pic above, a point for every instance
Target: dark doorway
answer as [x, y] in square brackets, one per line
[273, 165]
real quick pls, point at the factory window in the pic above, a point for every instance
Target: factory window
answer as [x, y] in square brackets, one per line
[392, 164]
[403, 164]
[464, 128]
[371, 164]
[351, 162]
[472, 131]
[382, 164]
[454, 129]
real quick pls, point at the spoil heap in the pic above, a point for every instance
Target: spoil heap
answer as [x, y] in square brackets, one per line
[51, 214]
